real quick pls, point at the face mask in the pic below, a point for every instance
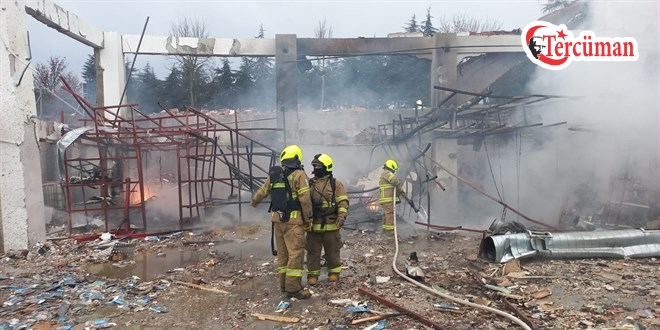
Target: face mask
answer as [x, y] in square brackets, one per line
[319, 172]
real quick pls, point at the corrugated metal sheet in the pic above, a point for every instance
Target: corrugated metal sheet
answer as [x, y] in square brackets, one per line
[636, 243]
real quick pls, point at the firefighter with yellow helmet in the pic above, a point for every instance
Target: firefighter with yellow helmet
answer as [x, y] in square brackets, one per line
[330, 208]
[291, 218]
[387, 183]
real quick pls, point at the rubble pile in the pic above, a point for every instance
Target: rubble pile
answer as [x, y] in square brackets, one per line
[232, 284]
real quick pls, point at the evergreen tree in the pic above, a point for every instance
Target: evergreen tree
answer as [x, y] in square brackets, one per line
[173, 92]
[148, 89]
[263, 93]
[244, 83]
[427, 26]
[223, 86]
[89, 79]
[412, 25]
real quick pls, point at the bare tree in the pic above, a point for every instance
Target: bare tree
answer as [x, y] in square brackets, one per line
[463, 23]
[48, 85]
[191, 66]
[323, 31]
[554, 5]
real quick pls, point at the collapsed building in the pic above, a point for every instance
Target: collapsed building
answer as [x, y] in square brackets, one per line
[106, 175]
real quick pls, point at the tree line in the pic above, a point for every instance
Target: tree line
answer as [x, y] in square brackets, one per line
[375, 81]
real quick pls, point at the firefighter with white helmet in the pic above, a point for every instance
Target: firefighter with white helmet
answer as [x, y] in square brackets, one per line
[291, 220]
[330, 208]
[387, 183]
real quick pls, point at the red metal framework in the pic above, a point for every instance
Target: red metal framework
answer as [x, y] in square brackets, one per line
[205, 152]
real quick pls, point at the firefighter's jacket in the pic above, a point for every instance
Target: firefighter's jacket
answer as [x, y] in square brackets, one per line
[388, 181]
[329, 214]
[300, 191]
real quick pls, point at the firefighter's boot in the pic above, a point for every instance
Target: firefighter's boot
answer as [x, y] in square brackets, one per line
[333, 277]
[312, 280]
[302, 294]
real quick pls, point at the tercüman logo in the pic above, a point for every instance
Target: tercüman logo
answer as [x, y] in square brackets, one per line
[554, 47]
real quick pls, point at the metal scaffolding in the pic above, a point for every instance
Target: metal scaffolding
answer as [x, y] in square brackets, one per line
[207, 152]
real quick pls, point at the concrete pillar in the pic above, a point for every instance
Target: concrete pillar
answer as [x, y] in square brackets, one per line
[286, 82]
[443, 68]
[21, 194]
[110, 71]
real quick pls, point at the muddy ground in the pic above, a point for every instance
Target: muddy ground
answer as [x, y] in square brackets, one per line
[65, 285]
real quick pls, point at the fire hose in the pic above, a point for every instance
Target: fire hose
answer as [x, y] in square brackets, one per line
[440, 294]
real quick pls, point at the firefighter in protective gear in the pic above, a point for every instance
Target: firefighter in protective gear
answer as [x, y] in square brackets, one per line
[387, 183]
[290, 234]
[330, 205]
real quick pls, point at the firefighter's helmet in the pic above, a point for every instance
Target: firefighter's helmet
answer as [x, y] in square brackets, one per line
[324, 160]
[292, 152]
[391, 165]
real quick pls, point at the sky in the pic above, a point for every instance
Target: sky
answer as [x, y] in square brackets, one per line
[241, 19]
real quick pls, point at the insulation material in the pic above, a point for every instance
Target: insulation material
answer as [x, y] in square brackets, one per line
[631, 243]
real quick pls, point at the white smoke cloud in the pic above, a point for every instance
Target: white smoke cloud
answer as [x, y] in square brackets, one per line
[613, 125]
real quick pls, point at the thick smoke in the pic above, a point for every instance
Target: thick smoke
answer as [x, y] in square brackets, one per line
[612, 130]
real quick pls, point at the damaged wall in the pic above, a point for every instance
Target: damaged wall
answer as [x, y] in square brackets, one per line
[21, 197]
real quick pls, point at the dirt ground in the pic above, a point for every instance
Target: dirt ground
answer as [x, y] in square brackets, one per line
[64, 285]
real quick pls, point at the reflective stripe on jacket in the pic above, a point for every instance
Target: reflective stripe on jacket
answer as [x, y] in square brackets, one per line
[388, 181]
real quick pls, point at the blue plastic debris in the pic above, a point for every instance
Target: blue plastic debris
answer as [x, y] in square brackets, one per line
[152, 239]
[99, 324]
[377, 326]
[158, 309]
[69, 281]
[12, 301]
[66, 326]
[142, 301]
[358, 309]
[91, 295]
[20, 290]
[282, 307]
[118, 300]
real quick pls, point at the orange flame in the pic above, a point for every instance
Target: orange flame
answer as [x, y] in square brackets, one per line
[136, 198]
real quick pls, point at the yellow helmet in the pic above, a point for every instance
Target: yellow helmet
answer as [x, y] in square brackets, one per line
[292, 152]
[391, 165]
[324, 160]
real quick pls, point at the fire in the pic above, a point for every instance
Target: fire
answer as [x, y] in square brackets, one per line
[373, 206]
[135, 195]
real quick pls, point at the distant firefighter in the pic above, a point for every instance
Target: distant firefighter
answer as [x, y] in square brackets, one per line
[387, 183]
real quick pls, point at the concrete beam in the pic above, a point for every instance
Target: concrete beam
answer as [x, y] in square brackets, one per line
[158, 45]
[464, 45]
[65, 22]
[479, 44]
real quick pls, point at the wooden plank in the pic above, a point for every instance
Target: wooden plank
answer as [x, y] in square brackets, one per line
[200, 287]
[277, 318]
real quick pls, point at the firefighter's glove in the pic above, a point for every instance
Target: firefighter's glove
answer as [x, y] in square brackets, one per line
[308, 226]
[340, 222]
[412, 204]
[253, 203]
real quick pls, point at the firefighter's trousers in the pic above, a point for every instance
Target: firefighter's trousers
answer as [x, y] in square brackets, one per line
[388, 215]
[330, 242]
[290, 240]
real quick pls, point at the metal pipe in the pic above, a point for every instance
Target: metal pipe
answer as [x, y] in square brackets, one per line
[626, 243]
